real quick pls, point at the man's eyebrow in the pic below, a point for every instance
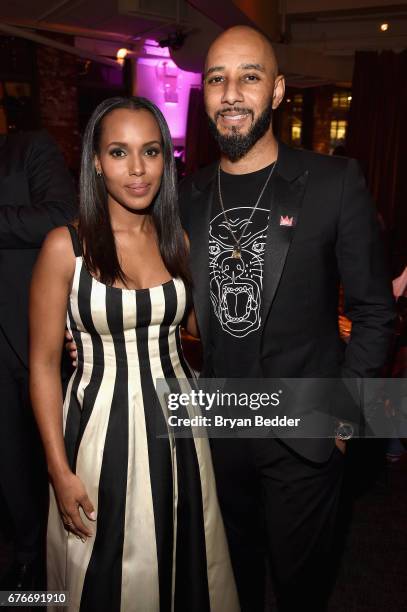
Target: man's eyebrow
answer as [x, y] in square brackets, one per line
[214, 69]
[259, 67]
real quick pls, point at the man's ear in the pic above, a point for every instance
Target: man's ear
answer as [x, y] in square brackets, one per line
[279, 91]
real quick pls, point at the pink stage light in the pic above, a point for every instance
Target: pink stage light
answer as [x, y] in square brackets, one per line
[153, 48]
[161, 81]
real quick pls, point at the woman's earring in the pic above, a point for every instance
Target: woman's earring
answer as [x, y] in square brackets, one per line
[99, 172]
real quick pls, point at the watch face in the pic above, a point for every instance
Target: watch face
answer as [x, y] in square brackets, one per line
[344, 431]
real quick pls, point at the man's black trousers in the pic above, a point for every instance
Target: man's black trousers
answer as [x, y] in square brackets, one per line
[281, 507]
[23, 477]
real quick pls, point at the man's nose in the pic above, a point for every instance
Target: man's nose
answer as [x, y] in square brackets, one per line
[231, 92]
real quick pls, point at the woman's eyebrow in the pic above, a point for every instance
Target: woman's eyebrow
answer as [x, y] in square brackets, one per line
[125, 144]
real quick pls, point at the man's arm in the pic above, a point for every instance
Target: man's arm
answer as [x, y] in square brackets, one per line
[52, 197]
[369, 303]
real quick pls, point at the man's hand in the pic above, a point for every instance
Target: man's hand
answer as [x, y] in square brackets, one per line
[341, 445]
[70, 347]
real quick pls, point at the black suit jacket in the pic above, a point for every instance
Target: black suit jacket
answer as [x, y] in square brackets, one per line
[36, 194]
[334, 238]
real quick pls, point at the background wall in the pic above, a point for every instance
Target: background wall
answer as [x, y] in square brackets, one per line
[168, 87]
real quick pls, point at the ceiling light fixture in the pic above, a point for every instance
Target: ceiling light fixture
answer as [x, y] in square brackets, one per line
[122, 53]
[384, 27]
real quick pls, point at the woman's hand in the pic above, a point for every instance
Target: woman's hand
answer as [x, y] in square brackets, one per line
[71, 494]
[70, 347]
[191, 324]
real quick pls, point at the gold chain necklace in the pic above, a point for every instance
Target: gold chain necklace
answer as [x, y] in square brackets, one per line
[236, 253]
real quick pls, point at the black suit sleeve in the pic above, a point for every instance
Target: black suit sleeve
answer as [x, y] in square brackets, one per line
[369, 301]
[52, 197]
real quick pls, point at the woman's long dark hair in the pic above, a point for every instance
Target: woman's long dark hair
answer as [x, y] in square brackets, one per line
[95, 230]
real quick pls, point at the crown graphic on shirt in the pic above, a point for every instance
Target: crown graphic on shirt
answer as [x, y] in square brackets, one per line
[286, 221]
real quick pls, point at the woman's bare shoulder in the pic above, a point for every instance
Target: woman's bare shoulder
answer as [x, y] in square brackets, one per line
[57, 254]
[58, 241]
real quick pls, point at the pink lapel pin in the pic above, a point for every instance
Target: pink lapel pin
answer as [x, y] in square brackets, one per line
[286, 221]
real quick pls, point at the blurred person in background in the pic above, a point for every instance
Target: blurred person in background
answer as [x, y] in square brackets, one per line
[36, 195]
[397, 448]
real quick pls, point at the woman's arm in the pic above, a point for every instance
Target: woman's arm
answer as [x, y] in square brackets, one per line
[50, 288]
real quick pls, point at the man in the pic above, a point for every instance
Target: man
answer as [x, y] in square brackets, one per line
[36, 195]
[273, 231]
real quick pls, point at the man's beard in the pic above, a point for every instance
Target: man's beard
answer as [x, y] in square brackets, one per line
[235, 145]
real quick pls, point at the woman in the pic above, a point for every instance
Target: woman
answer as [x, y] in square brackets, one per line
[134, 523]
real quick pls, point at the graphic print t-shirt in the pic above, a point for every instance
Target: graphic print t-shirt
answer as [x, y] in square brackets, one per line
[236, 284]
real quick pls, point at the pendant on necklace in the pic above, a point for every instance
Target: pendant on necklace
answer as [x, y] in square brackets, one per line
[236, 253]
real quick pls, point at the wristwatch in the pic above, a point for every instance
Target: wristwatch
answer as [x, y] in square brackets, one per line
[343, 430]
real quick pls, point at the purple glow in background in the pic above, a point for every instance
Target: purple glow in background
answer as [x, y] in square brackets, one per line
[160, 80]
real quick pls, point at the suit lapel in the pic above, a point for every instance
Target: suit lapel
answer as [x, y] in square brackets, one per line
[286, 200]
[198, 230]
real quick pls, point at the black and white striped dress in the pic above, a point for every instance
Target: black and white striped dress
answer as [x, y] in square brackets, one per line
[159, 542]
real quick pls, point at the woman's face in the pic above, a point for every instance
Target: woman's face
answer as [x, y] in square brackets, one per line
[130, 158]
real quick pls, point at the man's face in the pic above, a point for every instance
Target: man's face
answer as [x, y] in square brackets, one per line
[241, 89]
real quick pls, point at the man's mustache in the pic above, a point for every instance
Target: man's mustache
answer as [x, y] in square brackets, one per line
[234, 109]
